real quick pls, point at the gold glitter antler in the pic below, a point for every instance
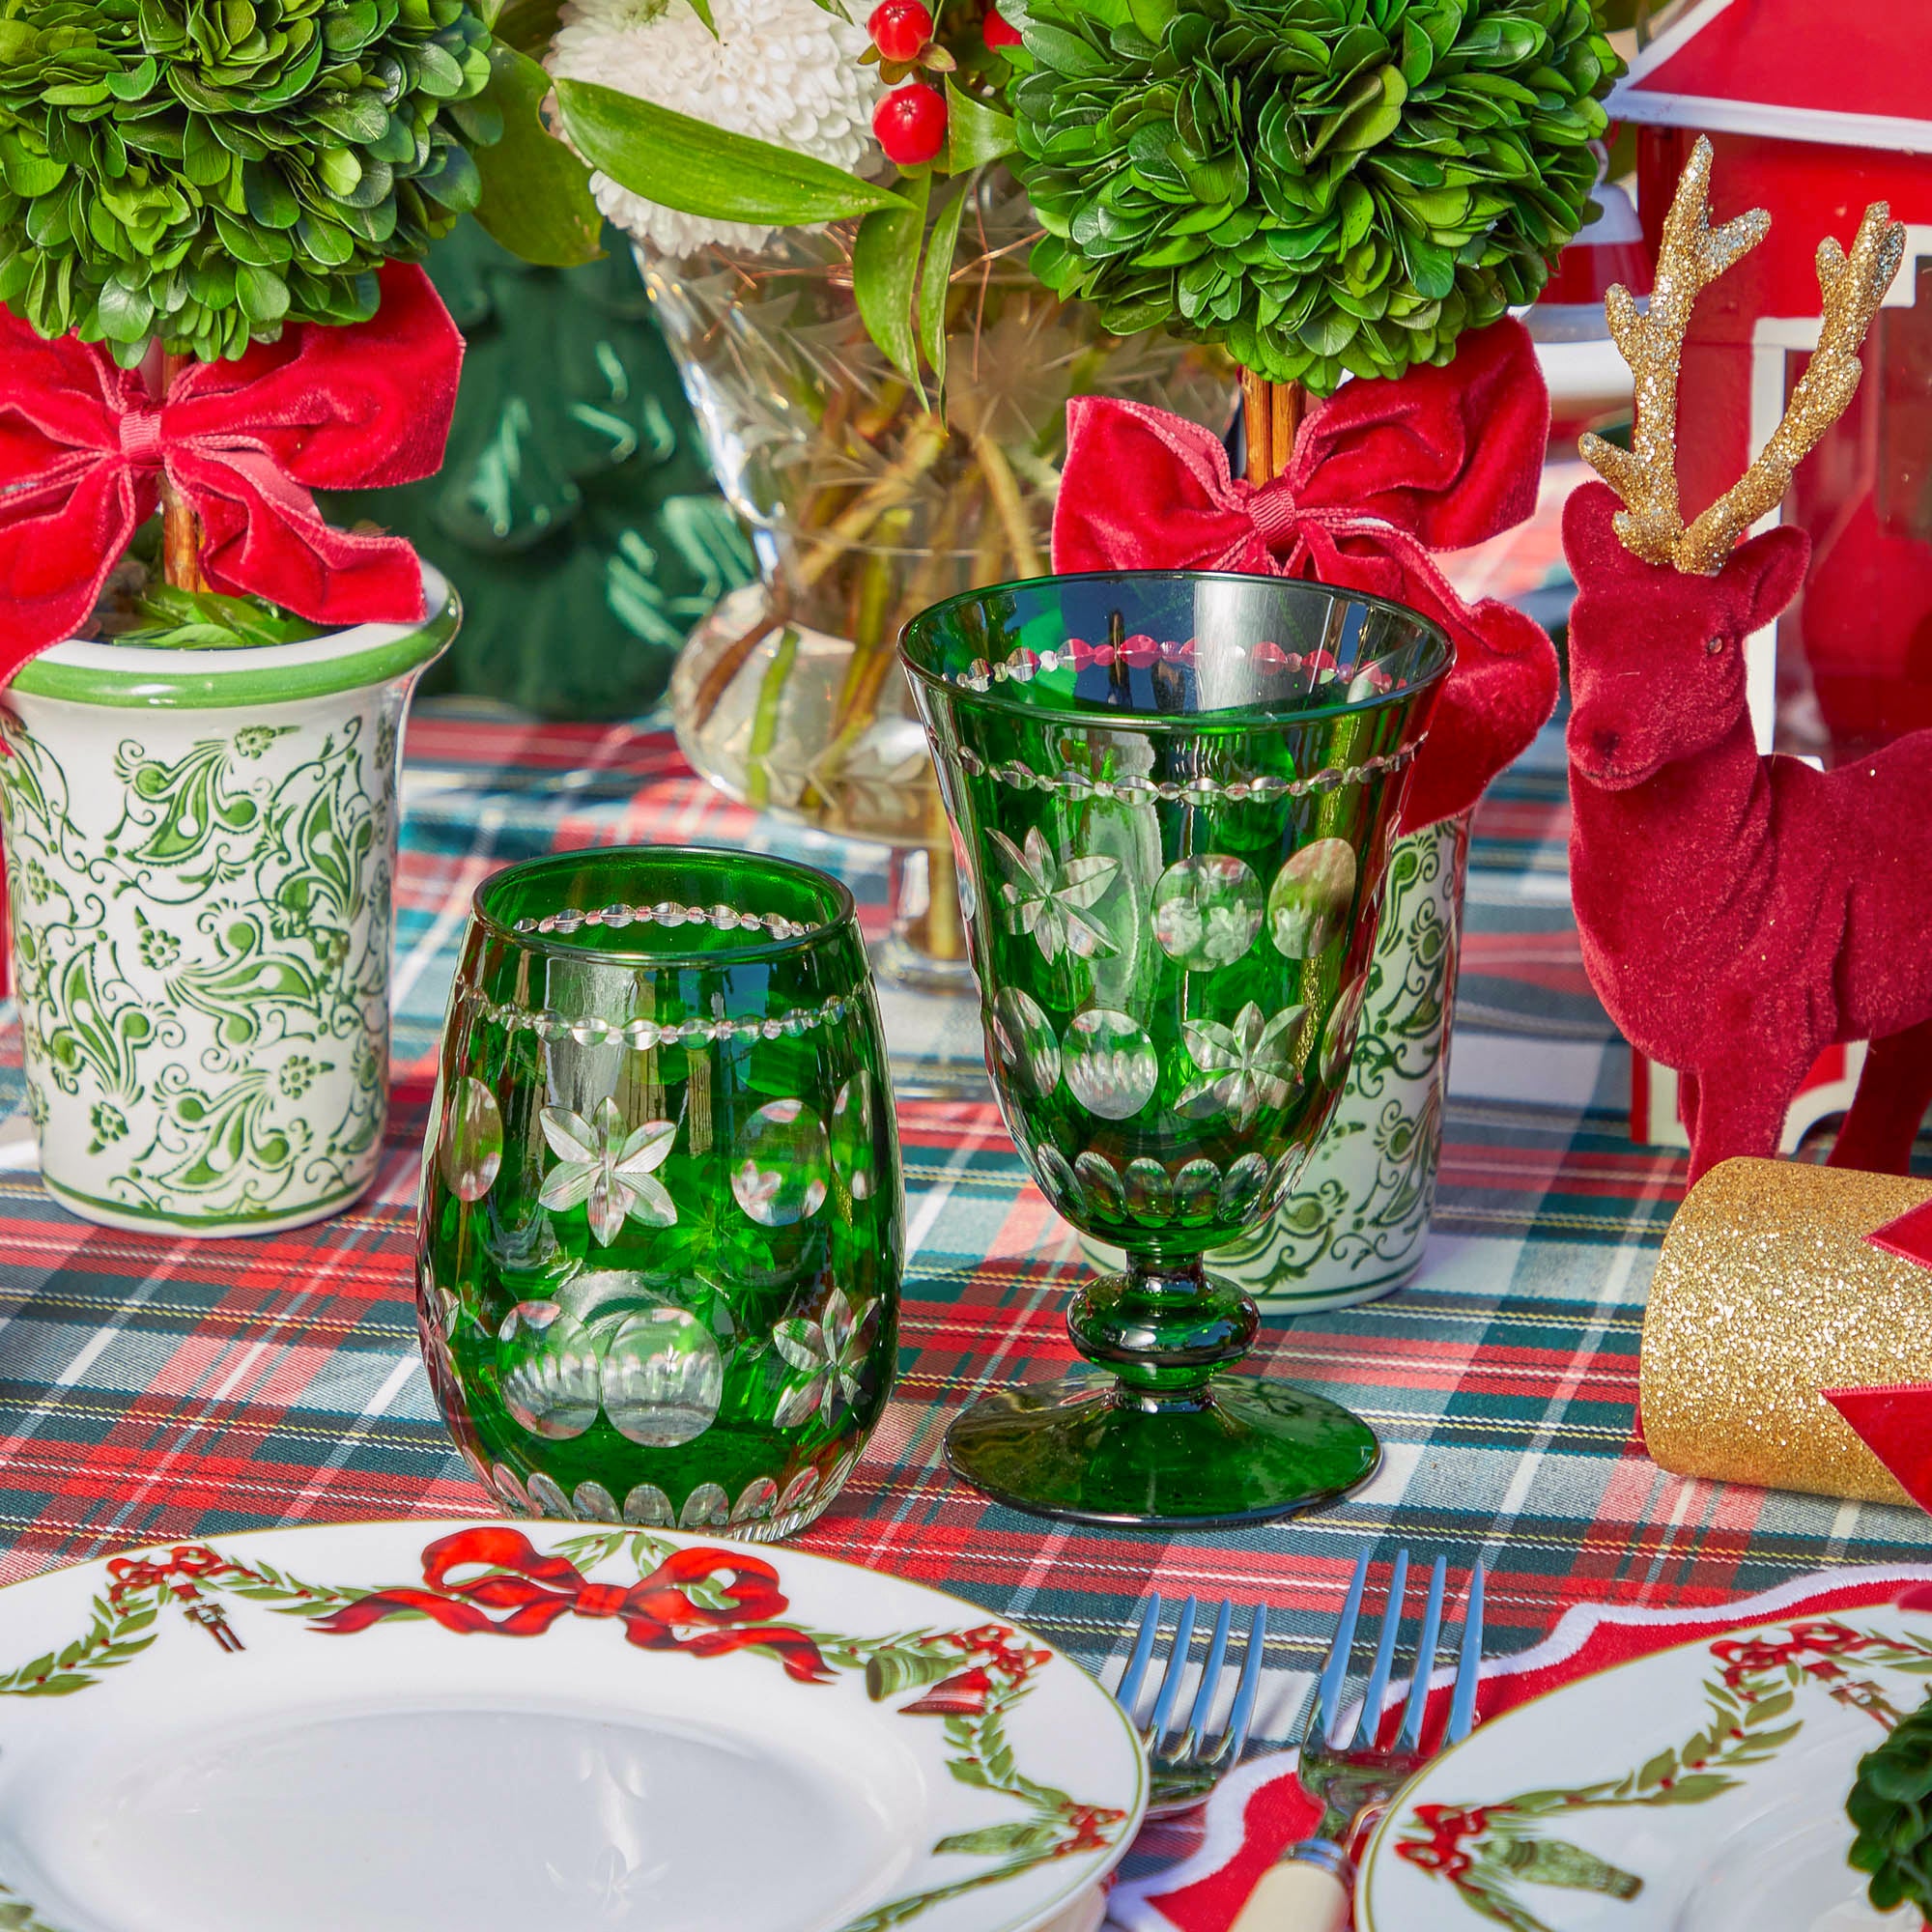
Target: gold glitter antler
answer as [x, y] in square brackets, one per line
[1851, 290]
[1693, 255]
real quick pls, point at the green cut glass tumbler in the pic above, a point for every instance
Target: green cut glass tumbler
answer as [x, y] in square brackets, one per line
[662, 1227]
[1173, 796]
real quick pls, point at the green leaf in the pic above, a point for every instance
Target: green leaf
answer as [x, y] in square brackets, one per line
[1697, 1787]
[457, 183]
[885, 264]
[698, 169]
[702, 9]
[1000, 1841]
[126, 314]
[536, 193]
[526, 26]
[28, 173]
[1375, 120]
[340, 170]
[935, 281]
[1152, 17]
[1065, 53]
[270, 198]
[975, 133]
[57, 1687]
[263, 294]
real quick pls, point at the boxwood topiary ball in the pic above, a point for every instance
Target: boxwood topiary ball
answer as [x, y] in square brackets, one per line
[204, 170]
[1891, 1807]
[1329, 186]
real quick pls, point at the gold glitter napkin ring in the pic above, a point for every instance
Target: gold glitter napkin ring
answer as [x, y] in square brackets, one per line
[1767, 1291]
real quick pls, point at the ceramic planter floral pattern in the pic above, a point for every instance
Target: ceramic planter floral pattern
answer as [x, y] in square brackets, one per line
[200, 853]
[1354, 1225]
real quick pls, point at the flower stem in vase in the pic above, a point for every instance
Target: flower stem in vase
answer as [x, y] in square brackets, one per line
[1273, 414]
[1005, 490]
[181, 528]
[924, 444]
[874, 648]
[765, 720]
[989, 549]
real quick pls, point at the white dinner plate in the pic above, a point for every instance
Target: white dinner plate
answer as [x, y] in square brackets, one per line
[1699, 1789]
[487, 1727]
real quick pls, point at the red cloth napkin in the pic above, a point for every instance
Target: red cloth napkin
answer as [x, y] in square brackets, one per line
[1261, 1809]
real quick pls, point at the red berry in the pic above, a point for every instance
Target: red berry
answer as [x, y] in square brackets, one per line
[910, 123]
[999, 31]
[900, 29]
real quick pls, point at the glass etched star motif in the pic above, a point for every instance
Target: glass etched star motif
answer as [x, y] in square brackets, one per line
[598, 1163]
[1049, 898]
[831, 1351]
[1243, 1067]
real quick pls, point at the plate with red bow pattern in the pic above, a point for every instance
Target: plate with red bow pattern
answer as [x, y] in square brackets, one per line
[1696, 1788]
[540, 1727]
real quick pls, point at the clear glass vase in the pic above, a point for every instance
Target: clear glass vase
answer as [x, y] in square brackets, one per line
[867, 504]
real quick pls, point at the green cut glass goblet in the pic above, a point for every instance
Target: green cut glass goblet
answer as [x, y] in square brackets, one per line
[1173, 795]
[662, 1228]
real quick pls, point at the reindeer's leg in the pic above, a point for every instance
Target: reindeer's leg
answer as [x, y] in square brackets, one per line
[1893, 1092]
[1736, 1110]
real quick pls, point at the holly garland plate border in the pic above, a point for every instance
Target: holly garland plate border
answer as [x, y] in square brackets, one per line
[1484, 1850]
[701, 1597]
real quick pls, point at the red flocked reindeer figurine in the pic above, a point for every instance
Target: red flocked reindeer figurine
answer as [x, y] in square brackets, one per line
[1738, 913]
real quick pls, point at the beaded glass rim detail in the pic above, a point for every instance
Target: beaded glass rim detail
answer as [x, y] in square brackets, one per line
[665, 913]
[1135, 789]
[592, 1030]
[1022, 666]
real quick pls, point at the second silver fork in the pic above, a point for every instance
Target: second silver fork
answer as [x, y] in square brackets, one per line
[1344, 1768]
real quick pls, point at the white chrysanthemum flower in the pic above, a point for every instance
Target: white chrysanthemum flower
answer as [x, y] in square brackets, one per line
[780, 70]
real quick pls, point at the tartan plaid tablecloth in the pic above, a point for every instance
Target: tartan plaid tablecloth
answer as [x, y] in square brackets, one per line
[152, 1388]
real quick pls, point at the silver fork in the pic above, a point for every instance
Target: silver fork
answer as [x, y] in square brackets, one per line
[1342, 1764]
[1185, 1765]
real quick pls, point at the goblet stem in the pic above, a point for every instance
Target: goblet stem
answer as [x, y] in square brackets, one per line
[1164, 1327]
[1171, 1439]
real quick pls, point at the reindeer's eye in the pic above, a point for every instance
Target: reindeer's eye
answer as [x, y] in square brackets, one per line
[1713, 645]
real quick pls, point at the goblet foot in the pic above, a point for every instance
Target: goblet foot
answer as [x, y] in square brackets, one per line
[1244, 1449]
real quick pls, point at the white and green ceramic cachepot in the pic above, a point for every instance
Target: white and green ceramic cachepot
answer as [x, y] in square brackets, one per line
[1354, 1226]
[200, 851]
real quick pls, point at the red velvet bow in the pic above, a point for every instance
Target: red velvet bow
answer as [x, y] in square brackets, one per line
[1384, 472]
[658, 1613]
[83, 447]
